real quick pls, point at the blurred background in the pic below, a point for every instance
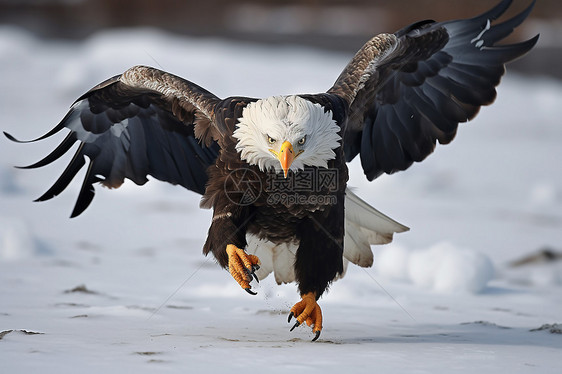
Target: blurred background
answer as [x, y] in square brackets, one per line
[342, 25]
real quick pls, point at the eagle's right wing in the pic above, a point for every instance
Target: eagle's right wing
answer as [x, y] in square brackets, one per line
[142, 122]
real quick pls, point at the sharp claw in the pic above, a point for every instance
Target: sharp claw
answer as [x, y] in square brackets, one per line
[316, 336]
[295, 325]
[291, 315]
[248, 275]
[255, 268]
[249, 290]
[256, 277]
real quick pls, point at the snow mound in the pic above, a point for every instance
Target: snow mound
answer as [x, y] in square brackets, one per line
[441, 268]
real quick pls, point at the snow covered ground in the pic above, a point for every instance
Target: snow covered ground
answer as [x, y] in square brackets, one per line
[125, 288]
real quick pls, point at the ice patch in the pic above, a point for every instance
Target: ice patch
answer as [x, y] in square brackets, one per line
[441, 268]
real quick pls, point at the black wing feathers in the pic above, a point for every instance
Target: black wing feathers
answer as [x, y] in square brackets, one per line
[130, 132]
[427, 79]
[401, 94]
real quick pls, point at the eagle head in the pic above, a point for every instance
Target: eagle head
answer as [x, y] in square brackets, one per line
[286, 132]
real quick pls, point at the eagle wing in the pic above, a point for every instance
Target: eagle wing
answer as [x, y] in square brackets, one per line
[407, 90]
[142, 122]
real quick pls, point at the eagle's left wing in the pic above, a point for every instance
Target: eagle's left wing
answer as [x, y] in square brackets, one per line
[407, 90]
[142, 122]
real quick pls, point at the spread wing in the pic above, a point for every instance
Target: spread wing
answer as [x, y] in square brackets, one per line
[407, 90]
[140, 123]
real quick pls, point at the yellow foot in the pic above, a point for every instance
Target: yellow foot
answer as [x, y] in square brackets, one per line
[242, 267]
[308, 310]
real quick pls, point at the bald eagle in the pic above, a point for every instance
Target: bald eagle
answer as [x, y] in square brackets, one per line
[274, 169]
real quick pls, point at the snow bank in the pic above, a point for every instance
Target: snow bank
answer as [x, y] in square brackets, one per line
[442, 267]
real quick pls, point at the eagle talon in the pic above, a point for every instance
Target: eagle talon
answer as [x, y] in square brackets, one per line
[251, 275]
[307, 310]
[242, 267]
[248, 274]
[297, 324]
[316, 336]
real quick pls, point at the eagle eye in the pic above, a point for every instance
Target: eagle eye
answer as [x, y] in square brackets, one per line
[270, 140]
[303, 140]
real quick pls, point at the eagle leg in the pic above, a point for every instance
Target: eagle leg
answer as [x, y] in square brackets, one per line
[307, 310]
[242, 267]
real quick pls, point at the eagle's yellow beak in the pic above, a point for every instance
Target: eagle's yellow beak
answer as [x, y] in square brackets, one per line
[286, 156]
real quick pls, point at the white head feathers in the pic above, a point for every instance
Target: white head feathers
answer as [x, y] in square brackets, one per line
[267, 123]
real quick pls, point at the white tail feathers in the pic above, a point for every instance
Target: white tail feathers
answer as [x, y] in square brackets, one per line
[279, 259]
[364, 226]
